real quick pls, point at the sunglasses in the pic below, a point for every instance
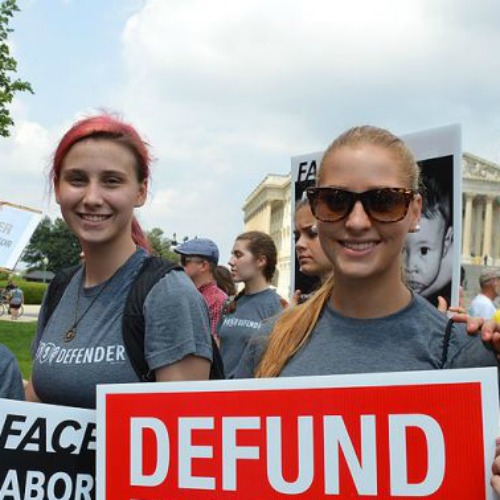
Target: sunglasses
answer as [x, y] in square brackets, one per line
[187, 260]
[330, 204]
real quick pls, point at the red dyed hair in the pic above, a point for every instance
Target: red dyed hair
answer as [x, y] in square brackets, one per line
[107, 127]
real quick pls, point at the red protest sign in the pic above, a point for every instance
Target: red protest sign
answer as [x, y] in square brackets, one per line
[417, 434]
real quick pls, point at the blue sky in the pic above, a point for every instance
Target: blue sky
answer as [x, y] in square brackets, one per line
[227, 91]
[70, 52]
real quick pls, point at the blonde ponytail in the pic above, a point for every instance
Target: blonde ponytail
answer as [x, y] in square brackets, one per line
[291, 332]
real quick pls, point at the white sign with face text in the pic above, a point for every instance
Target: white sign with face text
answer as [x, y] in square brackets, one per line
[17, 224]
[46, 451]
[432, 255]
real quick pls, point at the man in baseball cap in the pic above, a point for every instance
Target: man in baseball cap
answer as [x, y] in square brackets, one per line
[482, 304]
[199, 258]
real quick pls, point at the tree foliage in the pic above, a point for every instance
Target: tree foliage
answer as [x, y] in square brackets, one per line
[54, 241]
[161, 245]
[8, 67]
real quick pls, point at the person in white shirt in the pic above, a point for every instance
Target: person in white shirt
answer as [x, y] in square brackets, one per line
[482, 304]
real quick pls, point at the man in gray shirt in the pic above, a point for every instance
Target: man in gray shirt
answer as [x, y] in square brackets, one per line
[11, 383]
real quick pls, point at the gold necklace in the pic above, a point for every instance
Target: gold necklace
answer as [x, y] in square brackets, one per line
[71, 333]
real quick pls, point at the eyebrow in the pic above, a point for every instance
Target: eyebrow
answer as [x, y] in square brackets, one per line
[77, 170]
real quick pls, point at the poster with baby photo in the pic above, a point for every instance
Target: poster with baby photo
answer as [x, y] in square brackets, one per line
[431, 260]
[432, 254]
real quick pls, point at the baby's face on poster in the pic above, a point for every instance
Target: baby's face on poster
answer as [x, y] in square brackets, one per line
[424, 252]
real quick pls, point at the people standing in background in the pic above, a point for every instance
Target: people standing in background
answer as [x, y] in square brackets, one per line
[311, 257]
[100, 175]
[16, 300]
[482, 304]
[10, 285]
[11, 382]
[199, 258]
[225, 280]
[253, 263]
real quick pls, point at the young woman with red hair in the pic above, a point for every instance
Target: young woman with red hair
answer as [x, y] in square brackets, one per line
[100, 175]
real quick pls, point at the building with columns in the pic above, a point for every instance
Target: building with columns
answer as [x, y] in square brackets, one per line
[268, 209]
[481, 211]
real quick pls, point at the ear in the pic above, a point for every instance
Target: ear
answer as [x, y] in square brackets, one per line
[57, 193]
[142, 194]
[261, 261]
[448, 240]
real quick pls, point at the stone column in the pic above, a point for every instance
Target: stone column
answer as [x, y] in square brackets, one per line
[488, 226]
[496, 234]
[266, 217]
[478, 223]
[466, 237]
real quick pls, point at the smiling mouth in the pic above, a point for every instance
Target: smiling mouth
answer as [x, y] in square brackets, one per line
[94, 217]
[359, 246]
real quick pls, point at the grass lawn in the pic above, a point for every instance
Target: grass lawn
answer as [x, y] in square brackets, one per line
[18, 337]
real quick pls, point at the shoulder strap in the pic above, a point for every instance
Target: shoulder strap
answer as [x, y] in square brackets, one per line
[54, 294]
[446, 342]
[133, 324]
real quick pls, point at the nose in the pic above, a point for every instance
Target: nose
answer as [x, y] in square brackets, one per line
[410, 261]
[358, 218]
[231, 262]
[300, 244]
[93, 194]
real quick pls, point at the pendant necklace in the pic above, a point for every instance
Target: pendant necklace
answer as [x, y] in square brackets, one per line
[71, 333]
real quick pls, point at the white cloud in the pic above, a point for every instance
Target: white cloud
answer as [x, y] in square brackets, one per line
[226, 91]
[233, 89]
[24, 155]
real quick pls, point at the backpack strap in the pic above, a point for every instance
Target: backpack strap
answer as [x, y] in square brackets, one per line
[53, 295]
[446, 342]
[133, 324]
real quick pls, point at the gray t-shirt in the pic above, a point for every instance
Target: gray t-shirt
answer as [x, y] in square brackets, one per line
[249, 318]
[11, 382]
[411, 339]
[177, 325]
[482, 306]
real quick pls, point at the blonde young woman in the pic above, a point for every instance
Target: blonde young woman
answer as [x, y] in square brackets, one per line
[364, 318]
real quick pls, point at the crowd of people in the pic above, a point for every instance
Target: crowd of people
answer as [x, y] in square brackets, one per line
[351, 231]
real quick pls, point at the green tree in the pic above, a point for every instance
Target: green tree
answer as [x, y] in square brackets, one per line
[8, 67]
[35, 251]
[54, 241]
[161, 245]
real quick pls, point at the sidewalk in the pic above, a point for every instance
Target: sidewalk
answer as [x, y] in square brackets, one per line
[30, 314]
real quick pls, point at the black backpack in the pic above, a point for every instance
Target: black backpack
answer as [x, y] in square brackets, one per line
[133, 327]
